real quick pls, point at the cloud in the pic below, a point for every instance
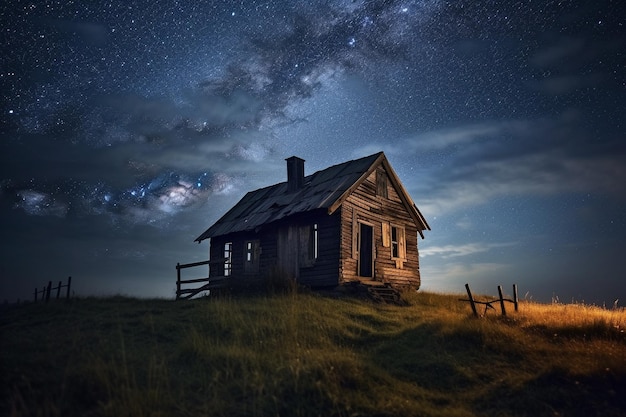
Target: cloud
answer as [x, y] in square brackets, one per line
[559, 52]
[452, 251]
[451, 277]
[543, 157]
[450, 137]
[570, 64]
[531, 175]
[88, 32]
[135, 158]
[557, 85]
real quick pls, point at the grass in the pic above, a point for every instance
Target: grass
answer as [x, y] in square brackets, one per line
[309, 355]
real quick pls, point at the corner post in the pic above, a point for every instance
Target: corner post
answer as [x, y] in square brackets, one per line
[515, 299]
[69, 282]
[177, 280]
[471, 300]
[501, 300]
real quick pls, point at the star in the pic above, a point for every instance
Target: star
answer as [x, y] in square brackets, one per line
[127, 121]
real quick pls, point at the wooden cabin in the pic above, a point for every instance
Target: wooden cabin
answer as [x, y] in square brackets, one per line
[349, 222]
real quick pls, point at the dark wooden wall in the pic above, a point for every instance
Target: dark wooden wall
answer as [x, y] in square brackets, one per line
[279, 244]
[325, 270]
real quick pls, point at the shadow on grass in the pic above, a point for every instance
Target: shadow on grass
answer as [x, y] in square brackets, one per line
[423, 356]
[559, 393]
[468, 366]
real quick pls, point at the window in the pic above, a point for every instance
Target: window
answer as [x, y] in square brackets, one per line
[381, 183]
[249, 252]
[228, 259]
[395, 246]
[251, 256]
[397, 242]
[394, 239]
[309, 244]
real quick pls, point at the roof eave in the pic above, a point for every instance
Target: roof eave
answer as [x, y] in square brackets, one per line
[414, 212]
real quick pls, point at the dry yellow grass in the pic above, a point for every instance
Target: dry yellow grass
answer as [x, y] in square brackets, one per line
[573, 315]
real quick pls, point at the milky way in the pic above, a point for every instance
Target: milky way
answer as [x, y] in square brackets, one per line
[149, 119]
[117, 77]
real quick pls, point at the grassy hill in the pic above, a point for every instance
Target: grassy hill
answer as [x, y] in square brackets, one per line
[309, 355]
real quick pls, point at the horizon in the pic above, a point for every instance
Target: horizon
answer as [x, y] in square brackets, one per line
[129, 129]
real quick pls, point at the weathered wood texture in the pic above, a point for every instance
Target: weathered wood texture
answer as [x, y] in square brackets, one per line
[282, 250]
[285, 245]
[324, 271]
[363, 205]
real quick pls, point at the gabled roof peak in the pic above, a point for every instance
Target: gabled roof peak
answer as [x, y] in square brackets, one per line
[324, 189]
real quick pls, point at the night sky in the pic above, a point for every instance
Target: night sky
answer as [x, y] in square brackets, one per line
[128, 127]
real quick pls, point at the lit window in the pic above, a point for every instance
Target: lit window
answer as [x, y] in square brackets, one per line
[249, 252]
[252, 251]
[228, 259]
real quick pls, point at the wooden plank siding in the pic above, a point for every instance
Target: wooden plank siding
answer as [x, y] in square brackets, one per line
[279, 244]
[364, 205]
[366, 191]
[325, 270]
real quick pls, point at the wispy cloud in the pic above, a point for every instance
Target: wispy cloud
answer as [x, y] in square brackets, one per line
[451, 277]
[529, 175]
[540, 157]
[460, 135]
[452, 251]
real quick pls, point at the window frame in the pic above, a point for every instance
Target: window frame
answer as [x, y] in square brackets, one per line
[399, 243]
[228, 259]
[309, 244]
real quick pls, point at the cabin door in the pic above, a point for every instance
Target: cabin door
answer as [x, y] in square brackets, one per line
[366, 249]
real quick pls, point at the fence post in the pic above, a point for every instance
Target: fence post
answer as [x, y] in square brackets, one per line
[59, 289]
[177, 280]
[471, 300]
[501, 300]
[48, 291]
[69, 281]
[515, 300]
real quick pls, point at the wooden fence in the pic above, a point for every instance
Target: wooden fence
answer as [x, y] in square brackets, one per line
[46, 290]
[210, 283]
[488, 304]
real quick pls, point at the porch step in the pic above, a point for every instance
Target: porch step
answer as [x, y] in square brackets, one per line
[384, 294]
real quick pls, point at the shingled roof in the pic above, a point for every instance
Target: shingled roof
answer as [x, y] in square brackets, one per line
[327, 189]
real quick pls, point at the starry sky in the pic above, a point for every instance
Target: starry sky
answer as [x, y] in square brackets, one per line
[129, 127]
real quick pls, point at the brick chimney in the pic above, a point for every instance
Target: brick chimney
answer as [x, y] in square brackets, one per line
[295, 173]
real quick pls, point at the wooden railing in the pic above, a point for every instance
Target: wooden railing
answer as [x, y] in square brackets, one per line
[45, 291]
[211, 283]
[488, 304]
